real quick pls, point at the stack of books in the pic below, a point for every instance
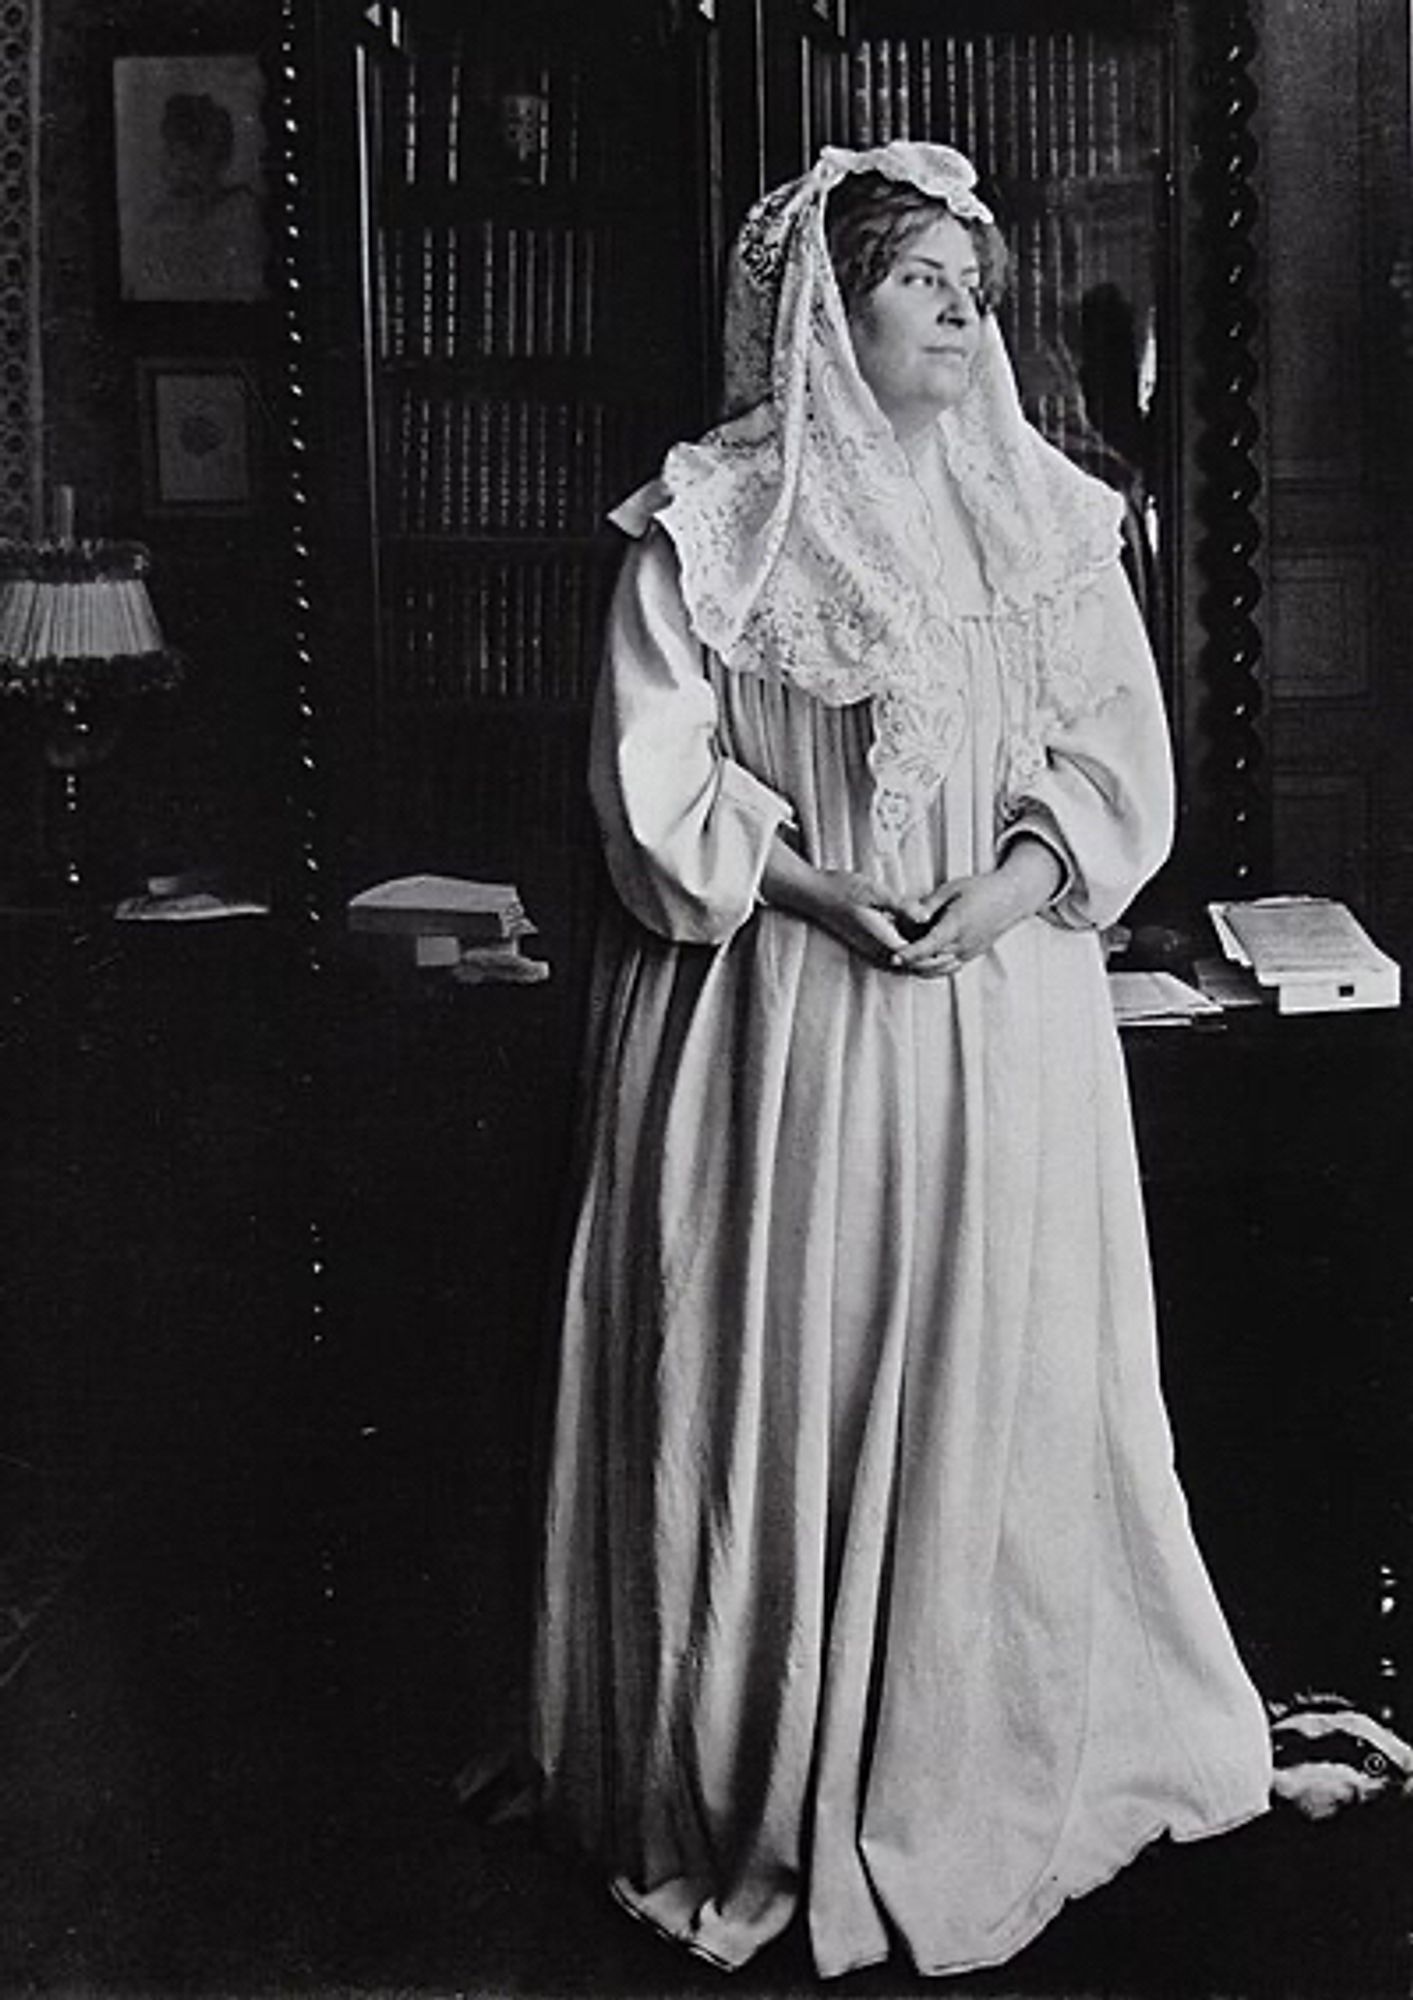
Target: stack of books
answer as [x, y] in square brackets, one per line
[473, 929]
[1309, 951]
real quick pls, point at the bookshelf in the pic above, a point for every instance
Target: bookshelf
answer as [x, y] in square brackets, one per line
[527, 368]
[1068, 117]
[1119, 142]
[545, 197]
[1069, 125]
[516, 219]
[524, 345]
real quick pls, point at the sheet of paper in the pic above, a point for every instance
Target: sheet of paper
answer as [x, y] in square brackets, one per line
[201, 907]
[1292, 937]
[1156, 999]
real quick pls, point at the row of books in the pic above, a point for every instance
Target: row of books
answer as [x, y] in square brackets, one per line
[1027, 106]
[1024, 107]
[452, 122]
[465, 465]
[503, 630]
[489, 288]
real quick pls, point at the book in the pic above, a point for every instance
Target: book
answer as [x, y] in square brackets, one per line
[1311, 950]
[481, 964]
[1230, 985]
[441, 906]
[469, 962]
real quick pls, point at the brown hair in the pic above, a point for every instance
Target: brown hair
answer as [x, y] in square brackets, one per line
[869, 220]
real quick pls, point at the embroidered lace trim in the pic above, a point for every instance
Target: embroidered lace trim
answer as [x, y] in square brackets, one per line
[806, 548]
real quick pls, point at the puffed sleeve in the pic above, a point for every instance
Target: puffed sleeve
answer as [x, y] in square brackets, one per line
[1104, 801]
[686, 830]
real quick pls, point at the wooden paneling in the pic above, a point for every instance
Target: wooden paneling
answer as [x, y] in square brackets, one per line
[1336, 183]
[1320, 625]
[1313, 182]
[1322, 834]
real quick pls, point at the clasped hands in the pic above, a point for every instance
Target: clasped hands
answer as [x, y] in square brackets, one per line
[930, 936]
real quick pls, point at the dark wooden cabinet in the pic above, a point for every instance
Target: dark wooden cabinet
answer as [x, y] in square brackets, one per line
[505, 336]
[1275, 1160]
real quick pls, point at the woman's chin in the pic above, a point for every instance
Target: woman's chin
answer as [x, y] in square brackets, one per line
[951, 376]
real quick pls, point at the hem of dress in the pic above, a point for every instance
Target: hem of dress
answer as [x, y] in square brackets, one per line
[620, 1894]
[955, 1968]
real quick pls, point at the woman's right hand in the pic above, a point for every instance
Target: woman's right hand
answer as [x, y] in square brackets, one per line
[859, 914]
[848, 905]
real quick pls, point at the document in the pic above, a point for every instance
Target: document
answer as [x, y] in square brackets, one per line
[1156, 1000]
[1311, 949]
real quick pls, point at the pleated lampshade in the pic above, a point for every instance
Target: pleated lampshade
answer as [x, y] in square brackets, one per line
[77, 623]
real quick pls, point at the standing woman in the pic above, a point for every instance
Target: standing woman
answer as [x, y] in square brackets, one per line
[868, 1589]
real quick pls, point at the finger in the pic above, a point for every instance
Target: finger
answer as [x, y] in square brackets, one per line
[934, 944]
[929, 959]
[884, 934]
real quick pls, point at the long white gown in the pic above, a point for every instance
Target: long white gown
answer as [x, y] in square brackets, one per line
[869, 1591]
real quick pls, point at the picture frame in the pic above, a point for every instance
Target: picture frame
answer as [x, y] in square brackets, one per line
[198, 437]
[190, 140]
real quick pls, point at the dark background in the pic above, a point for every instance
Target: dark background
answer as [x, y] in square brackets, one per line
[280, 1221]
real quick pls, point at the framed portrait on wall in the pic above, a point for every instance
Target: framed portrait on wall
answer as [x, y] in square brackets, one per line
[189, 133]
[198, 453]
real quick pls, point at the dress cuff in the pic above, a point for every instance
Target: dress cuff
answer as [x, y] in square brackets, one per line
[742, 790]
[1036, 823]
[739, 787]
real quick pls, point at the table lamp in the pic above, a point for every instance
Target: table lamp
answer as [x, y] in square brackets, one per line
[78, 641]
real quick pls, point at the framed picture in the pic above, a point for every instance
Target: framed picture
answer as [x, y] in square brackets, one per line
[198, 452]
[189, 133]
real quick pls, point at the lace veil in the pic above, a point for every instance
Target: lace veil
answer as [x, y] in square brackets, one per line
[805, 543]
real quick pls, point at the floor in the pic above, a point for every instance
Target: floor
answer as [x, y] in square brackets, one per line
[229, 1764]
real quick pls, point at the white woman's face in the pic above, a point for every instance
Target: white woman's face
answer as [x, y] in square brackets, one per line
[916, 334]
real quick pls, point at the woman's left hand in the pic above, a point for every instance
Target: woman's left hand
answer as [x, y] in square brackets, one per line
[962, 919]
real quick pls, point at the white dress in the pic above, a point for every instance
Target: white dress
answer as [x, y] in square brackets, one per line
[869, 1592]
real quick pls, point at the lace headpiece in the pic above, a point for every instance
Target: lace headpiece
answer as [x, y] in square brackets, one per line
[806, 547]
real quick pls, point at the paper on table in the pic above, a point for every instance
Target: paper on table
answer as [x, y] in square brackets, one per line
[1156, 999]
[1284, 937]
[197, 908]
[1310, 951]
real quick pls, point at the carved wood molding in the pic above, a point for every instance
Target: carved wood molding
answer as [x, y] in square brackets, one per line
[293, 64]
[17, 273]
[1231, 806]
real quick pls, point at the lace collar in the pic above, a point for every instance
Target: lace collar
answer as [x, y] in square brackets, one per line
[806, 548]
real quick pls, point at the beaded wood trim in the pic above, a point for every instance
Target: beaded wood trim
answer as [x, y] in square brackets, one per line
[16, 270]
[1232, 800]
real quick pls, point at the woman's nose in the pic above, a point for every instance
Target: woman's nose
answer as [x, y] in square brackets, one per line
[955, 302]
